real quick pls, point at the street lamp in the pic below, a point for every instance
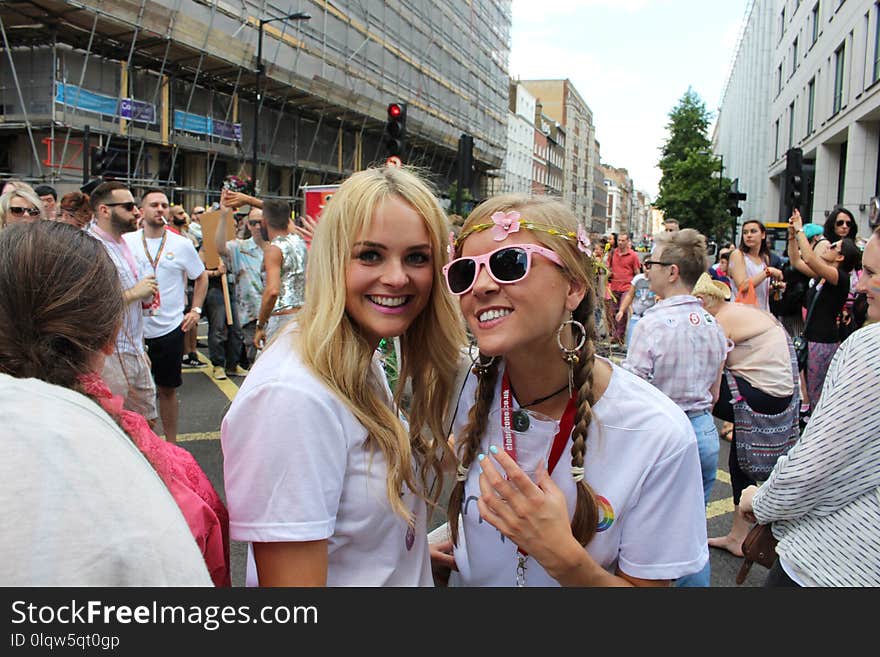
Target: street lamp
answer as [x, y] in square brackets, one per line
[299, 15]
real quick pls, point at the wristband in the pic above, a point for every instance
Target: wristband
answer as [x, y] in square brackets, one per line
[260, 325]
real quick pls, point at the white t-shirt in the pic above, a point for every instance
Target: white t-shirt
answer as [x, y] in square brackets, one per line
[81, 505]
[642, 463]
[177, 262]
[296, 469]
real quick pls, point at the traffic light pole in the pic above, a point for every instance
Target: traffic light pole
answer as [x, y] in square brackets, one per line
[258, 86]
[87, 154]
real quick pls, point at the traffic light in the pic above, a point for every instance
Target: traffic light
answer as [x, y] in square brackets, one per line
[733, 199]
[99, 162]
[395, 130]
[793, 191]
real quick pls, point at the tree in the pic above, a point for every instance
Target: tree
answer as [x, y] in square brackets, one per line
[690, 189]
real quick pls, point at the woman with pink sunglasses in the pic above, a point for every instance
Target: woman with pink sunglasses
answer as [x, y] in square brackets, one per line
[571, 471]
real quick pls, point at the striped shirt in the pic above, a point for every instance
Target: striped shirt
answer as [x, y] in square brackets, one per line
[823, 497]
[130, 339]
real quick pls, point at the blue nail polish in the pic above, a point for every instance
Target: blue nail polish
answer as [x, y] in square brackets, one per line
[480, 457]
[493, 449]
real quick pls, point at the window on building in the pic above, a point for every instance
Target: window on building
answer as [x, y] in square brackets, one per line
[841, 173]
[776, 140]
[811, 102]
[839, 58]
[876, 72]
[779, 79]
[791, 125]
[794, 56]
[781, 23]
[815, 23]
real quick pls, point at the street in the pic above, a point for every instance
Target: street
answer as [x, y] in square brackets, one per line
[204, 401]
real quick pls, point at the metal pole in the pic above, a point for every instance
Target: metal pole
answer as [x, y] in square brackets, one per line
[257, 106]
[87, 155]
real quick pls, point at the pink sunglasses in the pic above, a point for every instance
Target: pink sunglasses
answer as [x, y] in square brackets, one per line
[509, 264]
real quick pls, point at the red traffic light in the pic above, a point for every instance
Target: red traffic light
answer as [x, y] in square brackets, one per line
[394, 110]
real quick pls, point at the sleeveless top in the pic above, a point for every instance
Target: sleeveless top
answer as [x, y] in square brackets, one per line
[762, 289]
[763, 361]
[293, 272]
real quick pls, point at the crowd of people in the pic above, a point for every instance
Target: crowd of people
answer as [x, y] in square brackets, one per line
[566, 467]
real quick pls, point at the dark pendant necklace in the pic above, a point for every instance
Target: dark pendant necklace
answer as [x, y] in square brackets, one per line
[521, 420]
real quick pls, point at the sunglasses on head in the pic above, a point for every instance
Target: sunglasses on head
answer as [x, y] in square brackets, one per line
[127, 205]
[509, 264]
[33, 212]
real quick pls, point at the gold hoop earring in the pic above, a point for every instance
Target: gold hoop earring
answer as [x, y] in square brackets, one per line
[570, 354]
[478, 365]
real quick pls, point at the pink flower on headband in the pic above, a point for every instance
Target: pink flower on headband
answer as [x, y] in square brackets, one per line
[450, 248]
[505, 224]
[583, 240]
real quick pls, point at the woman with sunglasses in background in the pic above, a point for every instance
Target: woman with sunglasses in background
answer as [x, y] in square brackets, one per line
[829, 268]
[323, 478]
[839, 224]
[571, 471]
[20, 205]
[750, 263]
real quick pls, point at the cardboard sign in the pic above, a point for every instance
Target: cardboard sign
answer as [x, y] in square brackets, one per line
[209, 223]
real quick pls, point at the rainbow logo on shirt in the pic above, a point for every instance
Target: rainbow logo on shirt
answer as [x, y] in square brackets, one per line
[606, 514]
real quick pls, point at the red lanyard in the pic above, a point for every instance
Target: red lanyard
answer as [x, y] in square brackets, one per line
[566, 424]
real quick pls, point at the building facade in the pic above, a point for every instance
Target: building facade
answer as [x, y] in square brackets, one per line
[562, 102]
[169, 88]
[822, 66]
[745, 110]
[619, 190]
[520, 140]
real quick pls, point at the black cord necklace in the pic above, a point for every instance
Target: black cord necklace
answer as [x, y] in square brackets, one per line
[521, 418]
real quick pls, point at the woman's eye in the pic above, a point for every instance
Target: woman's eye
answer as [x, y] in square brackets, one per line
[418, 258]
[368, 256]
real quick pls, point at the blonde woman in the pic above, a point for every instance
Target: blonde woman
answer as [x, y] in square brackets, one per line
[20, 205]
[572, 471]
[322, 477]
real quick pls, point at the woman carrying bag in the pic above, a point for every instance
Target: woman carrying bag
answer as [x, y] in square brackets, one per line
[829, 268]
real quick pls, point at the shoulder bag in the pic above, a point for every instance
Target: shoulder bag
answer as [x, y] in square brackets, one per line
[801, 348]
[761, 438]
[747, 294]
[759, 546]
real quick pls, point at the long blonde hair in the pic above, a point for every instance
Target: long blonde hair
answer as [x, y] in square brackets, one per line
[579, 267]
[334, 349]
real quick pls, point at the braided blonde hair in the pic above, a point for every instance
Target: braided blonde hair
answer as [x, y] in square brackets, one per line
[578, 267]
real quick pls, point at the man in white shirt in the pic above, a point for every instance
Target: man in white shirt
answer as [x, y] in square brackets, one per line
[127, 371]
[171, 258]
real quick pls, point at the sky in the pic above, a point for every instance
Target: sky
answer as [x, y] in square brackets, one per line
[631, 61]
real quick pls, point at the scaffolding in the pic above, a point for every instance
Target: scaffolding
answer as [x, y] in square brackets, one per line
[167, 87]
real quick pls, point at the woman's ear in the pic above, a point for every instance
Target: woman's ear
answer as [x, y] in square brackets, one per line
[577, 289]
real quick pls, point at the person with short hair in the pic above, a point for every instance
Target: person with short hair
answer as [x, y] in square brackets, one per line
[20, 205]
[127, 369]
[623, 265]
[679, 348]
[284, 260]
[670, 225]
[49, 197]
[171, 258]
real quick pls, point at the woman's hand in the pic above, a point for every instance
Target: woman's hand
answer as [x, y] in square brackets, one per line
[745, 503]
[796, 221]
[442, 561]
[774, 273]
[534, 516]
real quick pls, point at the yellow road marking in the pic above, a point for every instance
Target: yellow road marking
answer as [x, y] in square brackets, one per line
[206, 435]
[226, 386]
